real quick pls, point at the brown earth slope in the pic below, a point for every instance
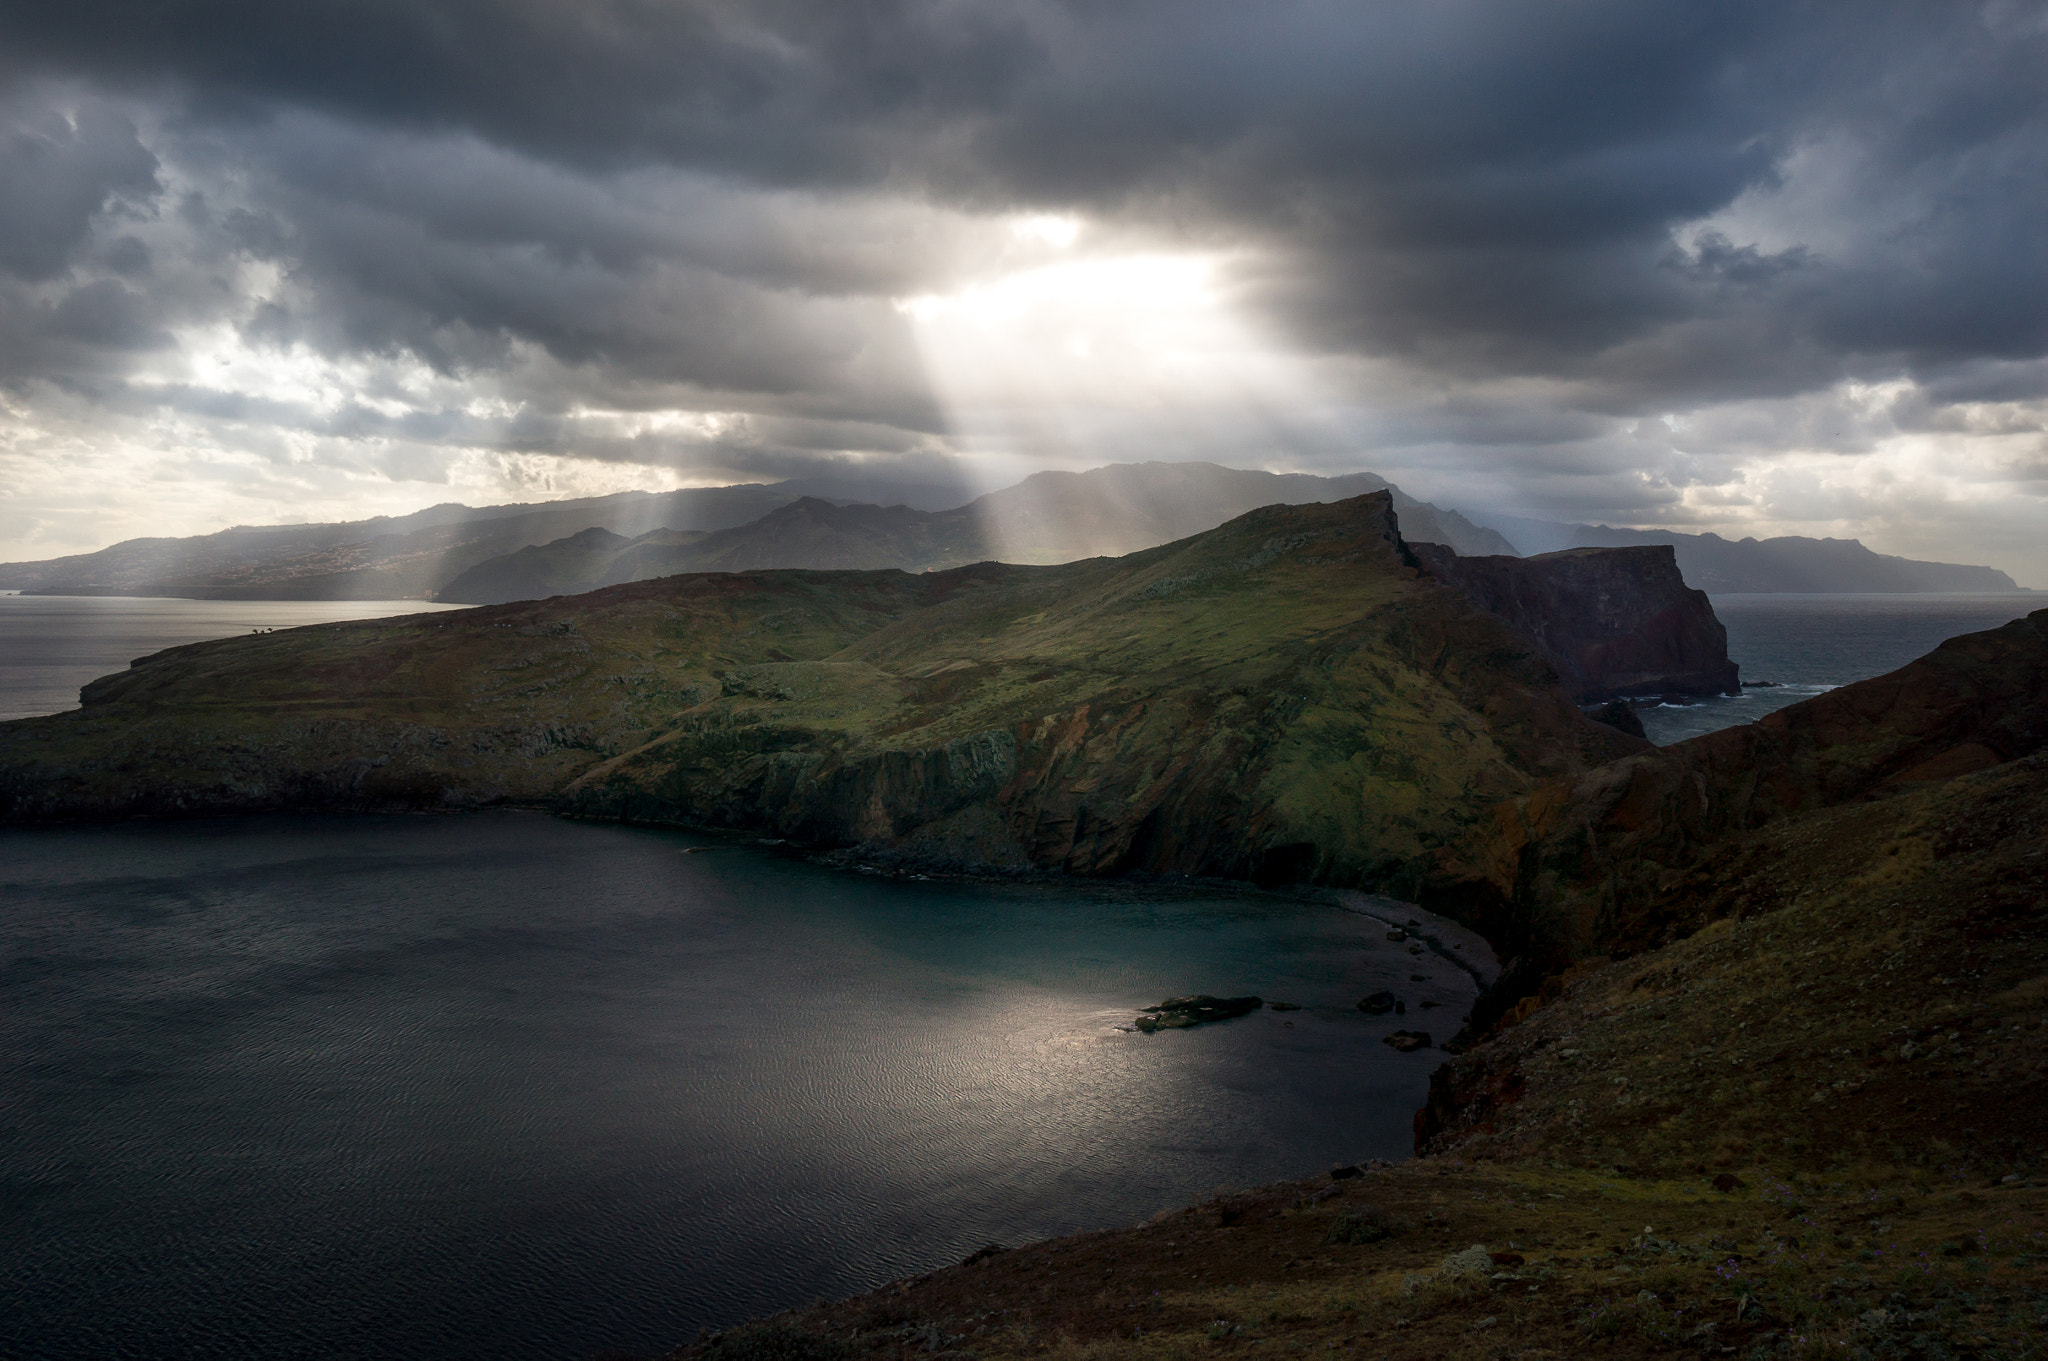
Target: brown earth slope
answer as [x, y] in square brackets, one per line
[1615, 858]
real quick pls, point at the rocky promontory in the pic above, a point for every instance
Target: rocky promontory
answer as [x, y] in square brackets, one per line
[1614, 622]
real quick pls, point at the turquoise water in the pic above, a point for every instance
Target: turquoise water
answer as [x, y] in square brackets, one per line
[503, 1085]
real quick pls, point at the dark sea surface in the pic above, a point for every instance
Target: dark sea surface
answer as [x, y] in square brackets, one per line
[52, 644]
[1813, 643]
[501, 1085]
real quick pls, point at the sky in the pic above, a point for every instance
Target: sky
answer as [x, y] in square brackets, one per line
[1755, 268]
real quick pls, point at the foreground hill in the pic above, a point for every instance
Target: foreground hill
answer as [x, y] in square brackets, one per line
[1285, 696]
[1048, 518]
[1628, 855]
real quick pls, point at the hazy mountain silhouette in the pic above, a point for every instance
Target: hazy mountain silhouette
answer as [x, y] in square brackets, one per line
[1790, 563]
[1046, 519]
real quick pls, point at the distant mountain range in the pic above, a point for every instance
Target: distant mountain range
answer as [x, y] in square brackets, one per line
[489, 554]
[388, 558]
[1048, 518]
[1792, 563]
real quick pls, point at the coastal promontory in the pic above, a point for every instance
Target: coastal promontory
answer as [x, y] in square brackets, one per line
[1290, 696]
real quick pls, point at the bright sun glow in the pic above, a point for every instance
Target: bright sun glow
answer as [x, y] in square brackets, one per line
[1113, 357]
[1047, 229]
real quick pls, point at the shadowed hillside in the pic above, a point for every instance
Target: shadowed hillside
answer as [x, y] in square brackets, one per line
[382, 559]
[531, 551]
[1622, 857]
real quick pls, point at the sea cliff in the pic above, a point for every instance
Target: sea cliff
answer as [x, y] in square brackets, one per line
[1613, 622]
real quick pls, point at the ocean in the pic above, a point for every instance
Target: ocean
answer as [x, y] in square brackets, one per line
[50, 645]
[1808, 644]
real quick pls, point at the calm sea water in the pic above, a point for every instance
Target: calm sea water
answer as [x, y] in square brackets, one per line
[1812, 643]
[508, 1086]
[52, 644]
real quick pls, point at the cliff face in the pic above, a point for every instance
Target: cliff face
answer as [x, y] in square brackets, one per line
[1283, 697]
[1612, 621]
[1624, 856]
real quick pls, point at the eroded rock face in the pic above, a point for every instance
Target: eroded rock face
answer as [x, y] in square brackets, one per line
[1613, 621]
[1618, 858]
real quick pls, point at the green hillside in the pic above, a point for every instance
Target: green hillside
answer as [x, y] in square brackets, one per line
[1283, 697]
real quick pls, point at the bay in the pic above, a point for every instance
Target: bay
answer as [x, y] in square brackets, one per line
[505, 1085]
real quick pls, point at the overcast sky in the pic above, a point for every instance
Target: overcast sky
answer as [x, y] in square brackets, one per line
[1752, 267]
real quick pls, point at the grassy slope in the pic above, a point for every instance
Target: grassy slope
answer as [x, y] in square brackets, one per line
[1611, 858]
[1280, 696]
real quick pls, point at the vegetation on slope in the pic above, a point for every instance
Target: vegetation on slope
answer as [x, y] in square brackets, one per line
[1626, 856]
[1284, 697]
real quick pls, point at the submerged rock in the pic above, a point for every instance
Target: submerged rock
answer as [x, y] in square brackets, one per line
[1380, 1003]
[1407, 1041]
[1178, 1013]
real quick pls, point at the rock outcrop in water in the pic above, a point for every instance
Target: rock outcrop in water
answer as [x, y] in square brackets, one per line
[1283, 698]
[1613, 621]
[1181, 1013]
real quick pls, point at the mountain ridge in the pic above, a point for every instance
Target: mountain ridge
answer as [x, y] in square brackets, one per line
[1784, 564]
[1050, 517]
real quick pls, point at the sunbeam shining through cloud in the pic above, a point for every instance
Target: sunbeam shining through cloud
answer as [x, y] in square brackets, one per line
[1485, 250]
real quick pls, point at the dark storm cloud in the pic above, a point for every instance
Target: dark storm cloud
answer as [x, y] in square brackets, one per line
[1567, 215]
[1480, 188]
[56, 175]
[802, 91]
